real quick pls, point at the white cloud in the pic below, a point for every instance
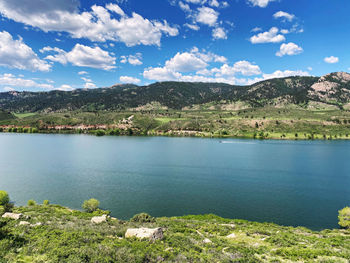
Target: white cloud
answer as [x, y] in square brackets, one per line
[193, 27]
[260, 3]
[129, 80]
[219, 33]
[96, 24]
[256, 29]
[89, 85]
[19, 82]
[207, 16]
[65, 87]
[16, 54]
[8, 89]
[289, 49]
[82, 56]
[82, 73]
[184, 7]
[270, 36]
[186, 62]
[286, 73]
[134, 60]
[285, 15]
[331, 60]
[199, 62]
[161, 74]
[241, 67]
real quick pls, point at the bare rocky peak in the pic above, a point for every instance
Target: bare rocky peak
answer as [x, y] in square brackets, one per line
[338, 76]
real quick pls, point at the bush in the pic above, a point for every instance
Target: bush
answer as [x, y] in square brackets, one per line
[4, 198]
[31, 203]
[46, 202]
[91, 205]
[100, 133]
[143, 218]
[344, 217]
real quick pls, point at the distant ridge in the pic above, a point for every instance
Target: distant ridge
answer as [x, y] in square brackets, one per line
[332, 89]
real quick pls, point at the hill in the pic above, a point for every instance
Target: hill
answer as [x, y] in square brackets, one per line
[4, 115]
[330, 90]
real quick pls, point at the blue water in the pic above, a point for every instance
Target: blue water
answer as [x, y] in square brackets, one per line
[286, 182]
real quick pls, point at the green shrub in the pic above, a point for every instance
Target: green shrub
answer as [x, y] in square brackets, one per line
[46, 202]
[31, 202]
[100, 133]
[344, 217]
[143, 218]
[4, 198]
[91, 205]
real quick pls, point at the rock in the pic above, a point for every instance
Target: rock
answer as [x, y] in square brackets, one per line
[36, 224]
[233, 235]
[207, 241]
[24, 223]
[150, 233]
[99, 219]
[229, 225]
[12, 216]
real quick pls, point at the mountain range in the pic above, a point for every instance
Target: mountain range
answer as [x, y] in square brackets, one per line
[331, 90]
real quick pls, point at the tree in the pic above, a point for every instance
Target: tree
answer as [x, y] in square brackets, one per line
[91, 205]
[4, 198]
[344, 217]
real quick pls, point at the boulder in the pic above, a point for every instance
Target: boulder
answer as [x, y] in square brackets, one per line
[207, 241]
[24, 223]
[99, 219]
[149, 233]
[12, 216]
[233, 235]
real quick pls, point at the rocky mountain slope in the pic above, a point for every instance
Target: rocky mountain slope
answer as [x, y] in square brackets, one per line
[332, 90]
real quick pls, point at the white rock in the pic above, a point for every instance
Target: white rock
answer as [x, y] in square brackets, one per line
[150, 233]
[12, 216]
[23, 223]
[233, 235]
[99, 219]
[207, 241]
[36, 224]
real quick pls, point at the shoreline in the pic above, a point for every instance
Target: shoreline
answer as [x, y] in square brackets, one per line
[189, 134]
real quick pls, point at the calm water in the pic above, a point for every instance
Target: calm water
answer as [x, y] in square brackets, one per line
[287, 182]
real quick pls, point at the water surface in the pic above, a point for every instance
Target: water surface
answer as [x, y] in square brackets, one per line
[287, 182]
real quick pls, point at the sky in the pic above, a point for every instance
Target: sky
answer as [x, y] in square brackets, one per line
[70, 44]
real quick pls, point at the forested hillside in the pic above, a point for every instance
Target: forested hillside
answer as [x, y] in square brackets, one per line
[332, 89]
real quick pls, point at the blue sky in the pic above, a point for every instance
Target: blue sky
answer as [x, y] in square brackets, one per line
[69, 44]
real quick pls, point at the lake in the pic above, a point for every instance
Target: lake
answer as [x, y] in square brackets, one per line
[298, 183]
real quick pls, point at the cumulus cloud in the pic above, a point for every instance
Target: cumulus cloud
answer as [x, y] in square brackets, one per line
[82, 56]
[241, 67]
[207, 16]
[284, 15]
[134, 60]
[193, 67]
[19, 82]
[289, 49]
[129, 80]
[16, 54]
[270, 36]
[260, 3]
[219, 33]
[96, 24]
[286, 73]
[331, 60]
[192, 26]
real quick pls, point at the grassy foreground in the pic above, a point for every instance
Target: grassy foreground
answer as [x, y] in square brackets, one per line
[65, 235]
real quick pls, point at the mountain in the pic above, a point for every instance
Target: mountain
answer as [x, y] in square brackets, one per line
[332, 89]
